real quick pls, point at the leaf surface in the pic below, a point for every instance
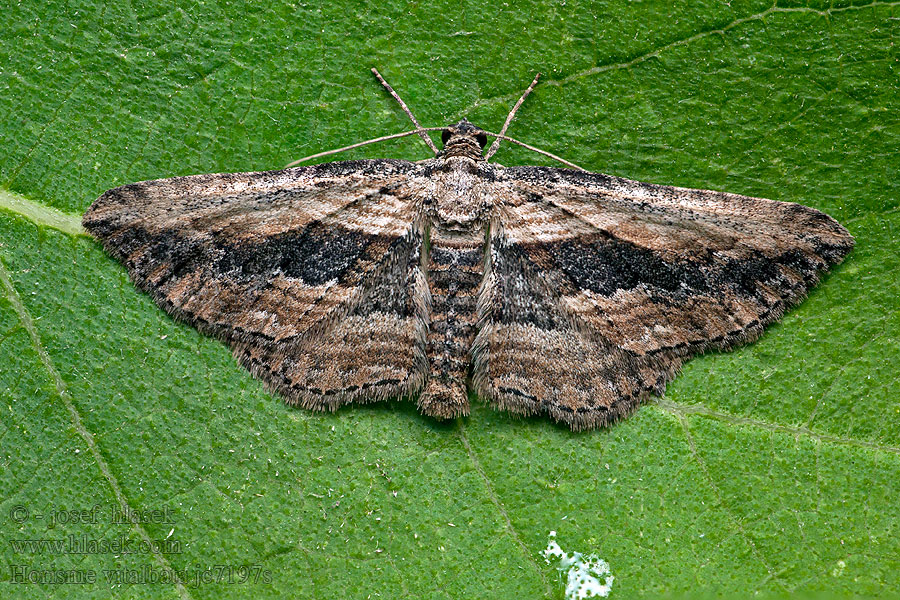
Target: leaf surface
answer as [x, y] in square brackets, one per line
[774, 469]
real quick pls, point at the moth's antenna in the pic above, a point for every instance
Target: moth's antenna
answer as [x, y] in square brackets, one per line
[538, 150]
[365, 143]
[493, 149]
[408, 112]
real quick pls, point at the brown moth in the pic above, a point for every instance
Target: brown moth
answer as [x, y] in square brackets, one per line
[544, 290]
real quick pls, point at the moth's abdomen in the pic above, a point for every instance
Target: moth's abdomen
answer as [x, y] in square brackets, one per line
[455, 270]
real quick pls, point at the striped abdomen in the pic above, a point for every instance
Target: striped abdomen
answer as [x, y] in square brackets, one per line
[455, 270]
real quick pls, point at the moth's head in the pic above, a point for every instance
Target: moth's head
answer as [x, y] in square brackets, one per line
[463, 139]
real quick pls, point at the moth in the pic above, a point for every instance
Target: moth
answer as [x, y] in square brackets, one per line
[544, 290]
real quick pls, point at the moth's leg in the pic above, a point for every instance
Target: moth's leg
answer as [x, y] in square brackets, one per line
[455, 271]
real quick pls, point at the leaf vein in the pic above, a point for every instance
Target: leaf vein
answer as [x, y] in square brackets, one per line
[61, 391]
[510, 529]
[772, 575]
[685, 409]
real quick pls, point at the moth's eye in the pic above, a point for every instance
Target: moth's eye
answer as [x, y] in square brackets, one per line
[482, 139]
[445, 136]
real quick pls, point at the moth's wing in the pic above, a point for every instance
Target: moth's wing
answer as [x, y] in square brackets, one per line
[376, 351]
[601, 287]
[305, 272]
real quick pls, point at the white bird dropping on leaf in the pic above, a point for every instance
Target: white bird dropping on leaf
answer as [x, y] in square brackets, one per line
[583, 573]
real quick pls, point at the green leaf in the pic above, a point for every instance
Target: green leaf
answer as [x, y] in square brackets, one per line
[772, 469]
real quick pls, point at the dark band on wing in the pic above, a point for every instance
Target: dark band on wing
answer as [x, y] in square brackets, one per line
[606, 266]
[317, 254]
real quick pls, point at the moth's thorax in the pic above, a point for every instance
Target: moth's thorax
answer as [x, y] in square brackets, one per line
[462, 146]
[460, 191]
[464, 140]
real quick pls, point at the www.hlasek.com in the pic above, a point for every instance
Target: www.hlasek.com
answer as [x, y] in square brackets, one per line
[82, 544]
